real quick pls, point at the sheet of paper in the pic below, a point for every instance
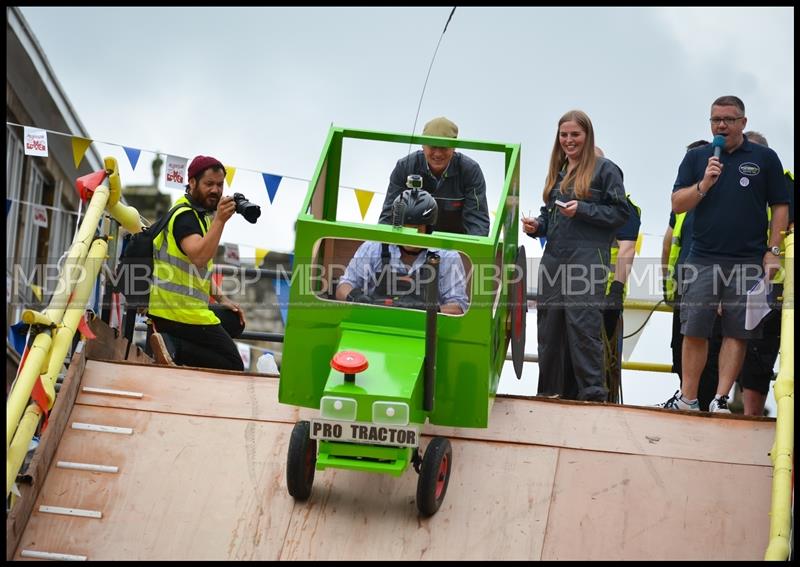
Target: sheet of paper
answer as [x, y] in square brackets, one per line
[757, 305]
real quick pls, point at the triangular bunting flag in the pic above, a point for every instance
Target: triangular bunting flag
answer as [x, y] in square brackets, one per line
[83, 327]
[542, 240]
[133, 155]
[79, 147]
[8, 206]
[18, 335]
[260, 253]
[230, 171]
[282, 293]
[37, 291]
[639, 240]
[272, 182]
[86, 184]
[364, 199]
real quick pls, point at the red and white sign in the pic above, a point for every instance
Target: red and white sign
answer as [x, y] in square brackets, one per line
[35, 142]
[232, 254]
[175, 172]
[39, 216]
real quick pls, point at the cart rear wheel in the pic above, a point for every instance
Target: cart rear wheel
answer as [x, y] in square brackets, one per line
[434, 476]
[301, 460]
[518, 310]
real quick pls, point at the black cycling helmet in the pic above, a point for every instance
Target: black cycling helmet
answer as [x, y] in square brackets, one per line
[415, 206]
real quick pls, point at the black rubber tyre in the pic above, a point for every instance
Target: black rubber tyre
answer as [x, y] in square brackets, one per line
[301, 461]
[517, 312]
[434, 476]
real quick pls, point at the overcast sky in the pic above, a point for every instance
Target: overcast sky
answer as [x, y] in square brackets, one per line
[259, 88]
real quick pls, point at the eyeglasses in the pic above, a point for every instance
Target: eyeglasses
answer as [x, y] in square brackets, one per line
[727, 120]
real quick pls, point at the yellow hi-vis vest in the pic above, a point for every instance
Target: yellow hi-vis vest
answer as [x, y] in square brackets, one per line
[674, 252]
[180, 291]
[615, 251]
[781, 273]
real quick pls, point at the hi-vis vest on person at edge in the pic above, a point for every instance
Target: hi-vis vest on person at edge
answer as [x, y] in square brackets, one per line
[675, 249]
[615, 249]
[180, 291]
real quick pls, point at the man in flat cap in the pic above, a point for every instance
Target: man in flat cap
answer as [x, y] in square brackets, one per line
[455, 181]
[187, 330]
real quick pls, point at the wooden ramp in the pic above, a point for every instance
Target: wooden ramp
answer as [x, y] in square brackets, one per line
[202, 476]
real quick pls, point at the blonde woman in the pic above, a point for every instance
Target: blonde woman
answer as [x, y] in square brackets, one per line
[585, 204]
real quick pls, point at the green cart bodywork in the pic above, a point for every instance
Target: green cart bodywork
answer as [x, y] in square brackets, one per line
[470, 349]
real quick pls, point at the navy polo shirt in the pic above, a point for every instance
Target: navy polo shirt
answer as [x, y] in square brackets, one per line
[730, 223]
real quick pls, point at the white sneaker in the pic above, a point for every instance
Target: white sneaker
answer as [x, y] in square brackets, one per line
[719, 405]
[676, 402]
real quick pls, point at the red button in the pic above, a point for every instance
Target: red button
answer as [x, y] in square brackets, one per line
[349, 362]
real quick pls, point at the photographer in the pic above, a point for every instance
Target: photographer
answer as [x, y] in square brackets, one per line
[187, 330]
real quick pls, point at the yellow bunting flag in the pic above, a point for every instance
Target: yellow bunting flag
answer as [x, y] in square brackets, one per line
[79, 147]
[230, 171]
[37, 291]
[364, 199]
[260, 253]
[639, 240]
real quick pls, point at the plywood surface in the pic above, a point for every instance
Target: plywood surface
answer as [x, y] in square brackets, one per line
[632, 507]
[588, 426]
[203, 477]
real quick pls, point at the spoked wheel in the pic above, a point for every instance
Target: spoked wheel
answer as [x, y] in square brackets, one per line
[301, 460]
[434, 476]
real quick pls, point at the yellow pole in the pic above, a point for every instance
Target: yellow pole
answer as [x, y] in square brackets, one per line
[75, 311]
[19, 447]
[125, 215]
[31, 317]
[782, 451]
[21, 392]
[73, 270]
[58, 350]
[648, 366]
[647, 305]
[114, 185]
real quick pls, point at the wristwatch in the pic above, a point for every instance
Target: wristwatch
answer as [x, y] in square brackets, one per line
[775, 250]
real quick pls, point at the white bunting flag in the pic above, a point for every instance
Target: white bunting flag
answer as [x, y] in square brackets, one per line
[35, 142]
[175, 172]
[39, 216]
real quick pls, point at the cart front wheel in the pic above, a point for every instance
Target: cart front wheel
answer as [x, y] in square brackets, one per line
[301, 460]
[434, 476]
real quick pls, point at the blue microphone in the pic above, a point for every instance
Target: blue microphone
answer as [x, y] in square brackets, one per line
[718, 143]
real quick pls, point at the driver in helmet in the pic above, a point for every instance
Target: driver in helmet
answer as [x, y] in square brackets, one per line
[388, 274]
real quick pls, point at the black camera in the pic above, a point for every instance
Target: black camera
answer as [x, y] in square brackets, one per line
[248, 210]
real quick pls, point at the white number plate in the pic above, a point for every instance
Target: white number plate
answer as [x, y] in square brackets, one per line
[358, 432]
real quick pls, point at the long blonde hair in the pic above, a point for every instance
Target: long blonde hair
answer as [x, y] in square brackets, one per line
[581, 176]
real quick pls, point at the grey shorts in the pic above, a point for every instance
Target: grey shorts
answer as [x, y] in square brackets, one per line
[706, 288]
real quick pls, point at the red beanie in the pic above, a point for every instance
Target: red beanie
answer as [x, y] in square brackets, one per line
[201, 163]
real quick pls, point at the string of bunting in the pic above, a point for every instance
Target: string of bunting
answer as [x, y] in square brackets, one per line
[35, 144]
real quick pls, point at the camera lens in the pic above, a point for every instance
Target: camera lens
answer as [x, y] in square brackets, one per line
[250, 211]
